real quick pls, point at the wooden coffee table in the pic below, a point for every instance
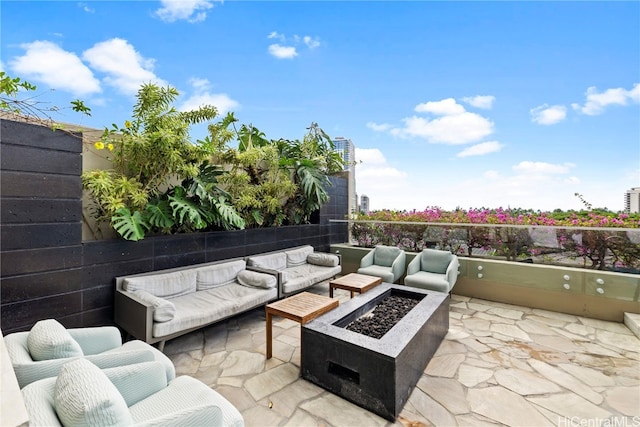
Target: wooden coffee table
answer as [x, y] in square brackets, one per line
[354, 282]
[302, 308]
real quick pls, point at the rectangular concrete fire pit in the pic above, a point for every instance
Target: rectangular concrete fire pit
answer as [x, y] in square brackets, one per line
[376, 374]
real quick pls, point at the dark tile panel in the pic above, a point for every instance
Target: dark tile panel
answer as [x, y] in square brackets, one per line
[19, 133]
[226, 239]
[39, 285]
[28, 184]
[105, 274]
[178, 260]
[222, 254]
[288, 232]
[108, 251]
[98, 317]
[260, 235]
[26, 313]
[29, 159]
[19, 210]
[19, 236]
[179, 244]
[13, 263]
[97, 297]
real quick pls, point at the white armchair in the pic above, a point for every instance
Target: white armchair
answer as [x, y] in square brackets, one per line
[84, 395]
[433, 270]
[41, 352]
[386, 262]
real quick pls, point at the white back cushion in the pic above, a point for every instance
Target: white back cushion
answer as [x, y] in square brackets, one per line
[272, 261]
[216, 275]
[163, 285]
[298, 257]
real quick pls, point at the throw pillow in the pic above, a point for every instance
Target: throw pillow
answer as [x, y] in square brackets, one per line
[163, 310]
[84, 396]
[256, 280]
[48, 339]
[325, 260]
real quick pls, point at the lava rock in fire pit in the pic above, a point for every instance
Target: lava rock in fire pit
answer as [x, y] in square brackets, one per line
[383, 317]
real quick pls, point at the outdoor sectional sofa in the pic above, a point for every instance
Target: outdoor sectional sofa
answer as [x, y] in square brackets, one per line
[297, 268]
[157, 306]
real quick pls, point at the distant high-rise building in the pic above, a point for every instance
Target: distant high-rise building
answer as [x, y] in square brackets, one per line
[632, 200]
[347, 150]
[364, 204]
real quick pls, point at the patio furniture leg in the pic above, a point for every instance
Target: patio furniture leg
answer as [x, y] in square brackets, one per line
[269, 335]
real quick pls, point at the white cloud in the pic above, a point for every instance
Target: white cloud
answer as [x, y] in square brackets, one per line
[480, 101]
[536, 168]
[597, 102]
[481, 149]
[379, 127]
[455, 129]
[189, 10]
[282, 52]
[287, 47]
[441, 108]
[202, 97]
[546, 115]
[86, 8]
[47, 62]
[311, 42]
[492, 174]
[126, 69]
[369, 157]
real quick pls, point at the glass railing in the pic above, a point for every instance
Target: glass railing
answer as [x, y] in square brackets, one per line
[598, 248]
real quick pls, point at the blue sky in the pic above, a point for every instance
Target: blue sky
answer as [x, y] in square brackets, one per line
[450, 104]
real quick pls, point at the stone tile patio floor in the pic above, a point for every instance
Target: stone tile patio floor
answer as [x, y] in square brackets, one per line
[499, 364]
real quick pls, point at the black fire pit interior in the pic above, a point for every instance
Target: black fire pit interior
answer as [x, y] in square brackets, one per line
[377, 374]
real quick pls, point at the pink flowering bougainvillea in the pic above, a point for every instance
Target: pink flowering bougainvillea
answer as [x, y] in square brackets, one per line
[598, 240]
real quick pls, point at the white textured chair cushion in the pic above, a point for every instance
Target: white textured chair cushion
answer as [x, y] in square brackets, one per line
[272, 261]
[163, 310]
[84, 396]
[163, 285]
[48, 339]
[254, 279]
[324, 260]
[218, 275]
[298, 257]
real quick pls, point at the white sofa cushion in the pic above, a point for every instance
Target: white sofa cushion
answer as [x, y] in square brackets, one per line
[48, 339]
[84, 396]
[255, 279]
[163, 310]
[163, 285]
[306, 275]
[277, 261]
[298, 256]
[322, 259]
[212, 276]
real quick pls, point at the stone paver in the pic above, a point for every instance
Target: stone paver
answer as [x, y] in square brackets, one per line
[499, 365]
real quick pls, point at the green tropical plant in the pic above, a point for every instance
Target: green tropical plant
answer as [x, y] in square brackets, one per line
[150, 153]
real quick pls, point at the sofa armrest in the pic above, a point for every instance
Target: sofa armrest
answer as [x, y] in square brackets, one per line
[414, 265]
[367, 260]
[96, 340]
[399, 265]
[452, 271]
[134, 316]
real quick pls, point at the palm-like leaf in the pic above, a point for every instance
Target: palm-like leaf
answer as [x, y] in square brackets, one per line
[160, 214]
[129, 226]
[184, 210]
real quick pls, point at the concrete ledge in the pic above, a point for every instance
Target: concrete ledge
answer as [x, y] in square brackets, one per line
[632, 321]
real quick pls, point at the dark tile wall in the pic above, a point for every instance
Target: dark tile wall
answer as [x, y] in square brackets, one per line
[47, 271]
